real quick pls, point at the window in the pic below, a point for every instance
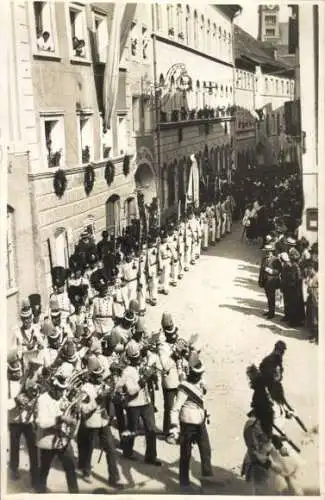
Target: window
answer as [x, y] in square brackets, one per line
[269, 20]
[106, 140]
[78, 31]
[277, 86]
[86, 137]
[282, 87]
[229, 46]
[121, 135]
[266, 85]
[270, 32]
[11, 258]
[61, 248]
[133, 39]
[147, 118]
[208, 44]
[101, 36]
[214, 36]
[44, 29]
[170, 20]
[136, 114]
[202, 34]
[179, 17]
[288, 89]
[145, 42]
[196, 28]
[53, 140]
[130, 210]
[188, 25]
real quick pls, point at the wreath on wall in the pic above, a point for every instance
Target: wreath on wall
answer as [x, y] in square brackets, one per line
[89, 179]
[60, 183]
[109, 172]
[126, 165]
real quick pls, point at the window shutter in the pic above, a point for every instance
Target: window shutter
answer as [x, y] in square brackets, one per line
[121, 93]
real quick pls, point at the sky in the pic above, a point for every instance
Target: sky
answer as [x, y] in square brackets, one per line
[248, 19]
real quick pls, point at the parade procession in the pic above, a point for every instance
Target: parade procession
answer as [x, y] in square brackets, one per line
[162, 249]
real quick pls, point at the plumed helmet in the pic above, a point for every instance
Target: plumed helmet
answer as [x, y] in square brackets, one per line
[54, 306]
[25, 310]
[139, 326]
[35, 302]
[49, 330]
[167, 323]
[134, 306]
[95, 346]
[68, 351]
[59, 276]
[129, 317]
[132, 350]
[94, 366]
[195, 364]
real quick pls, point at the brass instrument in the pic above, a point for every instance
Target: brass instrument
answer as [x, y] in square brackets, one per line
[67, 430]
[26, 401]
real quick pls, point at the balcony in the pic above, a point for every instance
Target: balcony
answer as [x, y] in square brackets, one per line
[187, 118]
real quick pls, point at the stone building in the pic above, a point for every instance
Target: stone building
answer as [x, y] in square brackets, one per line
[263, 84]
[307, 40]
[58, 55]
[194, 77]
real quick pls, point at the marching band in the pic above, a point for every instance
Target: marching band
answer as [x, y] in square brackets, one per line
[89, 362]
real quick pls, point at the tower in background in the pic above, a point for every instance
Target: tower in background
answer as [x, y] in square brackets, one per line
[268, 23]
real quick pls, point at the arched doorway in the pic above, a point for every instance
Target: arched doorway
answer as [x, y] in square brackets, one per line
[113, 214]
[145, 182]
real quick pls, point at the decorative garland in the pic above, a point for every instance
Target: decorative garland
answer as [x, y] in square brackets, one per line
[109, 172]
[126, 165]
[89, 179]
[60, 183]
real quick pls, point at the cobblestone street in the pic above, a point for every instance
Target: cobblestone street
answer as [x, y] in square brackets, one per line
[220, 299]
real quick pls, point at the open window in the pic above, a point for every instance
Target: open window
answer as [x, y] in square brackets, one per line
[86, 137]
[10, 255]
[78, 31]
[121, 135]
[43, 28]
[53, 139]
[106, 141]
[100, 35]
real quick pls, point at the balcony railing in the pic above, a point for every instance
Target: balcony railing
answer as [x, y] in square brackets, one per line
[220, 113]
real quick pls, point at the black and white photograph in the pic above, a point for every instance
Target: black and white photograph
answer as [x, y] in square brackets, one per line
[160, 197]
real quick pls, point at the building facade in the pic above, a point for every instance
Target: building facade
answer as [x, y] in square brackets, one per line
[195, 77]
[307, 40]
[58, 56]
[263, 84]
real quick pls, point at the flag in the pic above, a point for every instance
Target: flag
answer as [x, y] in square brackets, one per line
[111, 75]
[196, 182]
[122, 20]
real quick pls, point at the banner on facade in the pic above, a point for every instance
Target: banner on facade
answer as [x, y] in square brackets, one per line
[193, 182]
[121, 24]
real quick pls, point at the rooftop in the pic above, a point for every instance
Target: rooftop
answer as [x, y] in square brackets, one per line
[249, 50]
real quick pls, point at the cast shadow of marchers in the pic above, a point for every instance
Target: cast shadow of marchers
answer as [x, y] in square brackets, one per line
[299, 334]
[248, 311]
[163, 475]
[250, 283]
[225, 482]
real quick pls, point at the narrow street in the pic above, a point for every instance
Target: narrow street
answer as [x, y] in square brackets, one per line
[220, 299]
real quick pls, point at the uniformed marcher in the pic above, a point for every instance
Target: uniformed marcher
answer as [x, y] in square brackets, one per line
[271, 369]
[52, 440]
[78, 297]
[141, 281]
[59, 276]
[152, 270]
[172, 244]
[164, 259]
[21, 403]
[96, 423]
[36, 305]
[27, 336]
[101, 309]
[181, 249]
[134, 383]
[271, 278]
[188, 422]
[172, 364]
